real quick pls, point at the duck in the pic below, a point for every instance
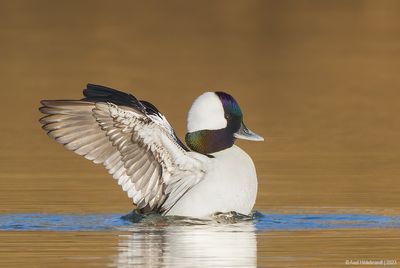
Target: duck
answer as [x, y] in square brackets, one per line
[136, 144]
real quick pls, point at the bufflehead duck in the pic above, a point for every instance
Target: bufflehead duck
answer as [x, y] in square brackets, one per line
[139, 148]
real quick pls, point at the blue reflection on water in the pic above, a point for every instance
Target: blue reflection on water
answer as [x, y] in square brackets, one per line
[263, 222]
[60, 222]
[324, 221]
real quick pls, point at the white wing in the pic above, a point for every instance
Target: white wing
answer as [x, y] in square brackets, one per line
[132, 139]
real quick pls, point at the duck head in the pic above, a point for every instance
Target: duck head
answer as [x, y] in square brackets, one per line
[215, 121]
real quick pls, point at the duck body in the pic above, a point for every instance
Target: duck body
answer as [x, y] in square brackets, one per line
[230, 184]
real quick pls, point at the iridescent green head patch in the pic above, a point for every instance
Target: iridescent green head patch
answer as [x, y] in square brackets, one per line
[209, 141]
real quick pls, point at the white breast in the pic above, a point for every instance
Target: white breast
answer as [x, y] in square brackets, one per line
[230, 185]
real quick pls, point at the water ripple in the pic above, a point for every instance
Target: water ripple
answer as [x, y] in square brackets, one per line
[262, 221]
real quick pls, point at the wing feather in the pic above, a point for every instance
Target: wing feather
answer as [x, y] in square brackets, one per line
[132, 139]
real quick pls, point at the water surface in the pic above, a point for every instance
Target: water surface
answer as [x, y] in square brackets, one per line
[160, 242]
[260, 222]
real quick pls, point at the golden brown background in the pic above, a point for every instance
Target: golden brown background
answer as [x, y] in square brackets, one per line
[318, 79]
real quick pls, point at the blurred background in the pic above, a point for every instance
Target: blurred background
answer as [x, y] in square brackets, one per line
[318, 79]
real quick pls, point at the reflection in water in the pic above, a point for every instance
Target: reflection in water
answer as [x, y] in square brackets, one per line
[214, 245]
[168, 241]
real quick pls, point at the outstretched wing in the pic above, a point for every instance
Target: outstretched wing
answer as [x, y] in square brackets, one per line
[132, 139]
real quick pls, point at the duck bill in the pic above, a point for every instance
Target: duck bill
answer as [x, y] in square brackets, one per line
[246, 134]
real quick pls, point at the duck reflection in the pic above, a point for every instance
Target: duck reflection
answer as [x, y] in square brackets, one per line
[214, 245]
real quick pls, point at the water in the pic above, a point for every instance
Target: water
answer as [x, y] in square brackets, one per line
[260, 222]
[178, 242]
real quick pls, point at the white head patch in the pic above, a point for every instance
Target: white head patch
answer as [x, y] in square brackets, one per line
[206, 112]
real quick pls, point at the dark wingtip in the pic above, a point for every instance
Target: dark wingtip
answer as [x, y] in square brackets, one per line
[91, 85]
[94, 92]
